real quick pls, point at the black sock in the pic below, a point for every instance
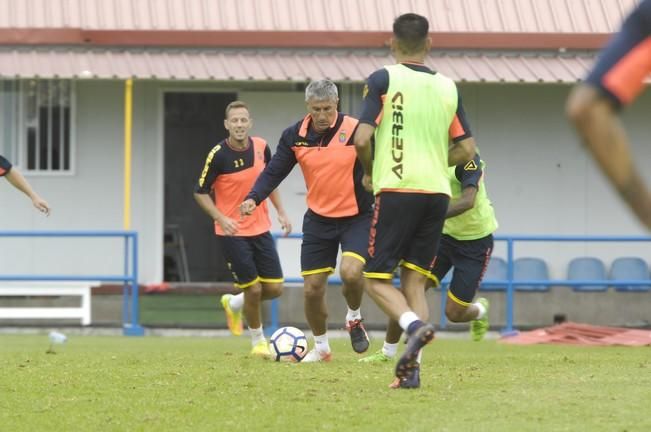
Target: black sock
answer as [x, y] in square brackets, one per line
[414, 326]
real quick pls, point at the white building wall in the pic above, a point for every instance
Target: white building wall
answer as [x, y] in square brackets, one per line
[92, 198]
[540, 178]
[89, 199]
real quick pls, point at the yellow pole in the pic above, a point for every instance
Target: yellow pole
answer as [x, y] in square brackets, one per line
[128, 114]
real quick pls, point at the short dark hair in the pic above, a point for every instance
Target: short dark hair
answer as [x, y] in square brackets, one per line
[233, 105]
[411, 30]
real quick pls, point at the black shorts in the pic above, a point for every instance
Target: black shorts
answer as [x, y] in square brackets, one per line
[322, 237]
[469, 259]
[252, 259]
[406, 230]
[626, 61]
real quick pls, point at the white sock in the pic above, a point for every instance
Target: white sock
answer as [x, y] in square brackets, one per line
[406, 319]
[420, 356]
[256, 335]
[321, 343]
[390, 350]
[482, 310]
[236, 302]
[353, 315]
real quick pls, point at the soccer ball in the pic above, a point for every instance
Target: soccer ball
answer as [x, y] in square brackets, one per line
[288, 344]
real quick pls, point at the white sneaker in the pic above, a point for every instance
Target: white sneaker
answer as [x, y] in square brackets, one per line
[317, 356]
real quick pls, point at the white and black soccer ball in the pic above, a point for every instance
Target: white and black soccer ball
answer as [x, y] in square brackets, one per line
[288, 344]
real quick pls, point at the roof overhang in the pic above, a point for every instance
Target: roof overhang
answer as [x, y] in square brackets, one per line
[293, 65]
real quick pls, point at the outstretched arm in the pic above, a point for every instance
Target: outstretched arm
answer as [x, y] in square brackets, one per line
[274, 173]
[16, 178]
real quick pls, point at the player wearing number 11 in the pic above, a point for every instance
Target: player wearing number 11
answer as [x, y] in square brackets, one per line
[231, 168]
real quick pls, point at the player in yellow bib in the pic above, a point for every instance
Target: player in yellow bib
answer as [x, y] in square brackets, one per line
[417, 121]
[466, 245]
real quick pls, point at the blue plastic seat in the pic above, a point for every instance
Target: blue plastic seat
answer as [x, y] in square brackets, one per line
[587, 268]
[534, 269]
[496, 271]
[630, 268]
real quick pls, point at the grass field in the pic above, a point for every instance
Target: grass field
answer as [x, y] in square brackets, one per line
[166, 384]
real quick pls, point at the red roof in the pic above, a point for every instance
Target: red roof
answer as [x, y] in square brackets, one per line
[520, 16]
[298, 40]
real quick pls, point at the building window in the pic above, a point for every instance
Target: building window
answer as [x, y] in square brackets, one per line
[36, 125]
[45, 126]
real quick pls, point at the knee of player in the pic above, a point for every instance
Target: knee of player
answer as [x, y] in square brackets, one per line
[575, 111]
[313, 290]
[580, 104]
[454, 312]
[351, 272]
[253, 289]
[253, 294]
[272, 290]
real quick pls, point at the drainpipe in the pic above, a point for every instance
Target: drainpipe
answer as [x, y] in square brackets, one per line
[128, 117]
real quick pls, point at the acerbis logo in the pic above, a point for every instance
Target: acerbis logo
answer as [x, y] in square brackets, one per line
[396, 127]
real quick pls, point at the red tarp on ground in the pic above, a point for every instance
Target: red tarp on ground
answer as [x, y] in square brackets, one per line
[570, 333]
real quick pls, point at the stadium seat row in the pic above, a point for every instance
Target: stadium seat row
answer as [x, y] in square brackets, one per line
[579, 269]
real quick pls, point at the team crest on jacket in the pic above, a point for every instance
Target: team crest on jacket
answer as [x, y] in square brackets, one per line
[342, 136]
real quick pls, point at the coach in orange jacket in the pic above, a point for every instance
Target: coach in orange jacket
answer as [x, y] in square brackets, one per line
[339, 209]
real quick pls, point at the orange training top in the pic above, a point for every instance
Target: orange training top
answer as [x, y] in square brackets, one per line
[231, 173]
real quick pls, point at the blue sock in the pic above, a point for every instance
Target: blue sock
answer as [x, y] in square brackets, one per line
[414, 326]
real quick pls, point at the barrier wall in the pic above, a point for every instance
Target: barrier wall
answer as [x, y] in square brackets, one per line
[507, 301]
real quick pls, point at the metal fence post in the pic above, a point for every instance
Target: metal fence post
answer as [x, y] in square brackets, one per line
[509, 287]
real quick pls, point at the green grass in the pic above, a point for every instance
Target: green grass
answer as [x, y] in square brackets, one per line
[165, 384]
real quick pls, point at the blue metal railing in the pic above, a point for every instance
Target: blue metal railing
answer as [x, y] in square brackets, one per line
[509, 282]
[130, 307]
[510, 251]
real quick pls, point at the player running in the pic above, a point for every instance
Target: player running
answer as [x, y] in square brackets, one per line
[229, 172]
